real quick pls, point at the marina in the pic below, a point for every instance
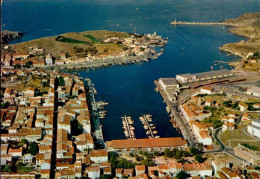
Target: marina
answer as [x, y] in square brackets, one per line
[150, 128]
[128, 128]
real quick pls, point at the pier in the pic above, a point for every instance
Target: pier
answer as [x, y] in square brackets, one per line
[128, 128]
[145, 119]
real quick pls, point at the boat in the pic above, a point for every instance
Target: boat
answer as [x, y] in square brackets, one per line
[151, 125]
[132, 128]
[157, 136]
[155, 132]
[148, 132]
[148, 115]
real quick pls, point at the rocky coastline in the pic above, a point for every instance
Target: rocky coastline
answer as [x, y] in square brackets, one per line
[7, 36]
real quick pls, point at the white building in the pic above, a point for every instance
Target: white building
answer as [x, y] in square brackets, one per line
[49, 59]
[168, 83]
[99, 156]
[93, 172]
[254, 128]
[198, 169]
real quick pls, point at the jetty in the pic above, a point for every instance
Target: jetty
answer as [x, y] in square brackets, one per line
[145, 119]
[201, 23]
[128, 128]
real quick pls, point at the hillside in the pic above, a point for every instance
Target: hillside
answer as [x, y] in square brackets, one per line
[248, 25]
[74, 41]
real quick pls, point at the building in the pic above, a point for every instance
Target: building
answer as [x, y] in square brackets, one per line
[184, 78]
[248, 155]
[99, 156]
[93, 172]
[49, 60]
[254, 128]
[139, 169]
[146, 144]
[206, 90]
[168, 83]
[198, 169]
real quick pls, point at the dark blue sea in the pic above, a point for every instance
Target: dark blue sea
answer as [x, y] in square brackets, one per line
[129, 89]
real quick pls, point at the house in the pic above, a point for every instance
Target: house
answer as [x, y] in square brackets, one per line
[163, 170]
[5, 158]
[209, 102]
[49, 60]
[242, 106]
[107, 171]
[218, 164]
[45, 149]
[7, 92]
[198, 169]
[29, 92]
[93, 172]
[4, 149]
[119, 172]
[254, 128]
[27, 159]
[228, 126]
[128, 172]
[175, 168]
[206, 90]
[45, 174]
[139, 169]
[99, 156]
[16, 153]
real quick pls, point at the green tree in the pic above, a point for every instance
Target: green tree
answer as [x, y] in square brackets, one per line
[106, 176]
[7, 168]
[17, 66]
[199, 158]
[33, 148]
[131, 154]
[194, 151]
[182, 175]
[24, 141]
[28, 64]
[168, 153]
[61, 81]
[156, 153]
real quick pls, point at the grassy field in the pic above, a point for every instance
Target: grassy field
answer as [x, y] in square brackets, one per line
[68, 41]
[232, 138]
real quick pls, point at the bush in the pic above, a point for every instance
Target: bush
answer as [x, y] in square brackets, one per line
[182, 175]
[33, 148]
[199, 158]
[194, 151]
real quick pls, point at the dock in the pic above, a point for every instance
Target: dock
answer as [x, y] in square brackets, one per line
[128, 128]
[147, 126]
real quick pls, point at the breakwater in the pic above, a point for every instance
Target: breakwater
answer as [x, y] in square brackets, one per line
[202, 23]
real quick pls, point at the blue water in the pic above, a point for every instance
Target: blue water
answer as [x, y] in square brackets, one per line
[130, 88]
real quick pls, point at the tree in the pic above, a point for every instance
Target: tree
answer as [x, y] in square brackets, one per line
[168, 153]
[17, 66]
[33, 148]
[194, 151]
[24, 141]
[28, 64]
[200, 146]
[7, 168]
[61, 81]
[156, 153]
[182, 175]
[131, 154]
[106, 176]
[199, 158]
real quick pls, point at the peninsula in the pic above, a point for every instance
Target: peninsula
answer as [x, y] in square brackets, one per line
[84, 49]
